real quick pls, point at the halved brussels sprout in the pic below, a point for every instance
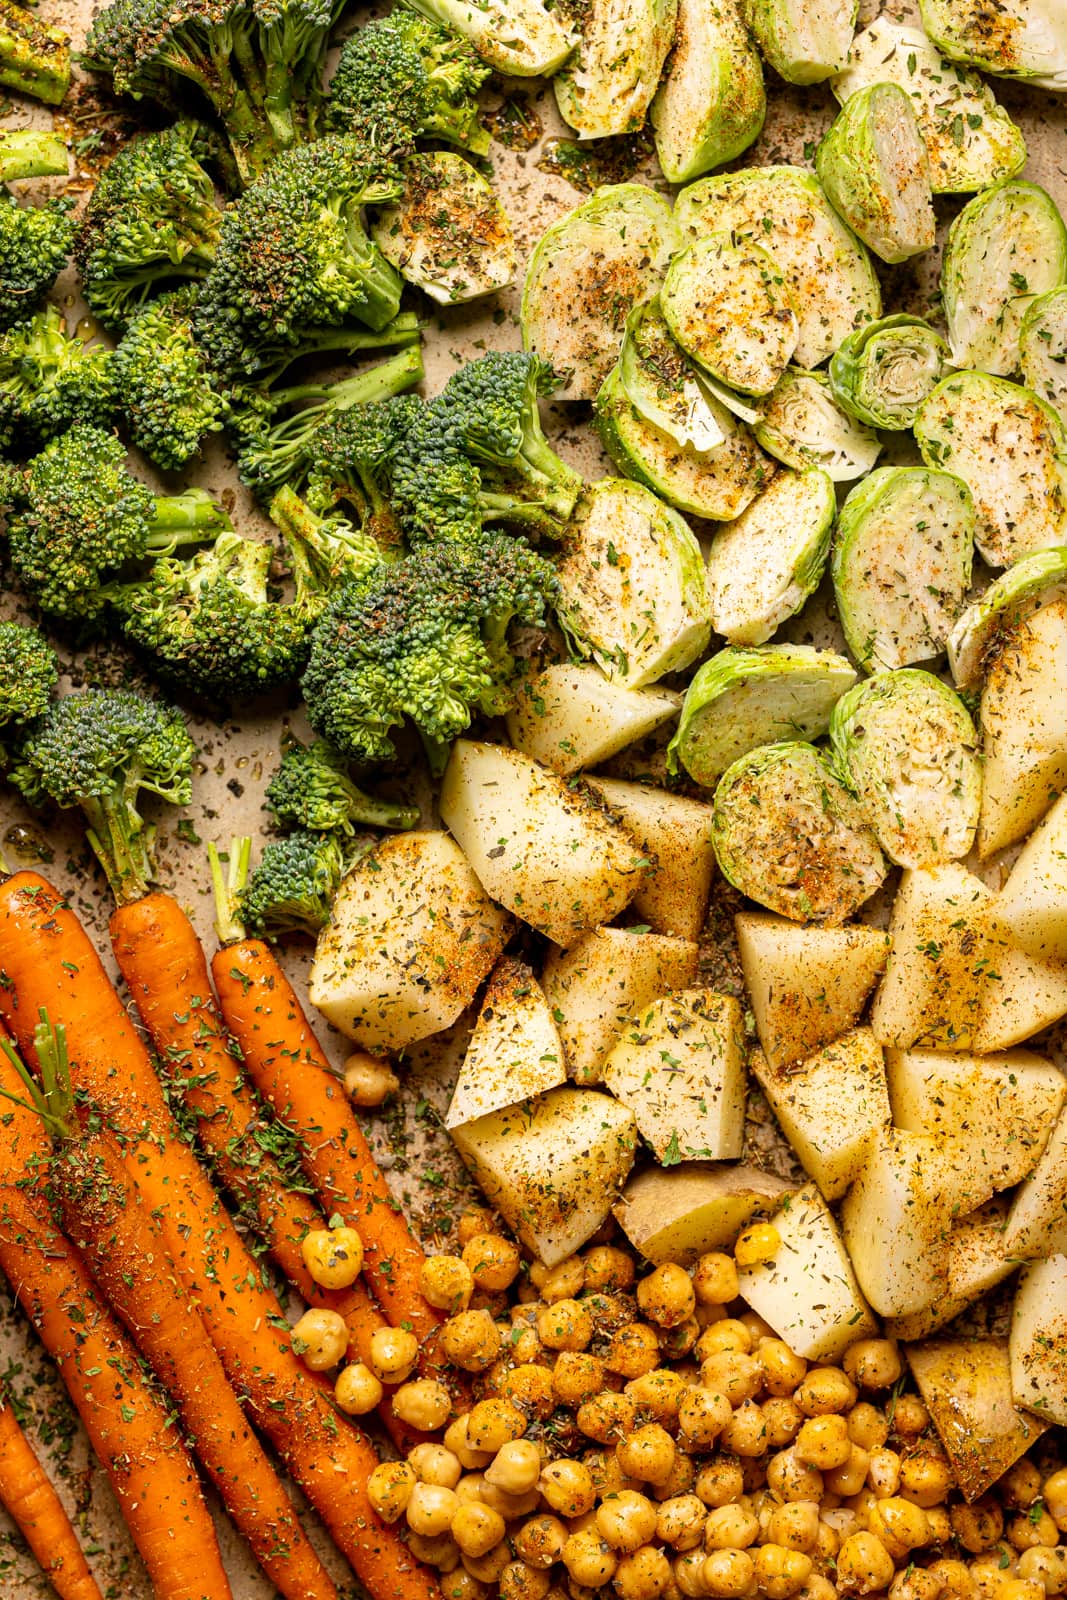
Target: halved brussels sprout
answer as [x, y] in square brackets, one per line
[1006, 246]
[632, 588]
[607, 85]
[873, 166]
[1031, 583]
[789, 835]
[1043, 348]
[729, 308]
[1010, 449]
[970, 140]
[448, 234]
[804, 40]
[742, 698]
[905, 745]
[520, 38]
[902, 565]
[589, 271]
[764, 565]
[665, 386]
[711, 103]
[882, 373]
[783, 210]
[802, 425]
[1020, 39]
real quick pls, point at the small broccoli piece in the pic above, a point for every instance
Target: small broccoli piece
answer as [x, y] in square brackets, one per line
[292, 889]
[80, 517]
[351, 456]
[166, 387]
[476, 455]
[151, 222]
[403, 78]
[425, 639]
[324, 552]
[28, 674]
[99, 749]
[35, 242]
[49, 380]
[312, 789]
[34, 58]
[32, 153]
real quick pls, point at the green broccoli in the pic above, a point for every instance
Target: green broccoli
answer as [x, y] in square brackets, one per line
[476, 455]
[351, 455]
[99, 749]
[80, 517]
[403, 78]
[29, 672]
[31, 153]
[324, 552]
[425, 639]
[152, 222]
[34, 58]
[166, 387]
[312, 789]
[292, 889]
[35, 241]
[49, 380]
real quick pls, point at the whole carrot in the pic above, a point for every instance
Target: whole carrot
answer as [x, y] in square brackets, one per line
[37, 1511]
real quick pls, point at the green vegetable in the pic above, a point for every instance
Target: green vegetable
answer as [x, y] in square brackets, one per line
[292, 889]
[49, 380]
[1018, 38]
[803, 425]
[351, 454]
[665, 387]
[883, 372]
[312, 789]
[31, 153]
[164, 383]
[29, 672]
[607, 85]
[34, 57]
[710, 104]
[764, 565]
[874, 169]
[1043, 348]
[804, 40]
[448, 234]
[324, 552]
[1026, 586]
[34, 240]
[730, 309]
[519, 38]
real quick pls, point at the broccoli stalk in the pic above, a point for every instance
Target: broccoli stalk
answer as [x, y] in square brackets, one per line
[312, 790]
[403, 78]
[49, 380]
[34, 58]
[32, 153]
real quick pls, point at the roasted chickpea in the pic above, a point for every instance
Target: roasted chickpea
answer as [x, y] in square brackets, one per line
[678, 1341]
[715, 1279]
[864, 1565]
[357, 1390]
[719, 1483]
[680, 1521]
[795, 1525]
[790, 1478]
[643, 1575]
[457, 1440]
[424, 1404]
[940, 1524]
[633, 1351]
[910, 1416]
[607, 1417]
[516, 1467]
[540, 1540]
[977, 1527]
[867, 1426]
[647, 1454]
[333, 1256]
[626, 1520]
[520, 1582]
[487, 1568]
[431, 1508]
[819, 1588]
[446, 1282]
[568, 1488]
[564, 1281]
[476, 1528]
[492, 1423]
[432, 1463]
[733, 1527]
[900, 1525]
[760, 1242]
[576, 1377]
[1045, 1566]
[729, 1574]
[1034, 1529]
[529, 1386]
[564, 1325]
[389, 1489]
[607, 1267]
[493, 1262]
[925, 1479]
[733, 1373]
[954, 1577]
[666, 1296]
[393, 1353]
[825, 1390]
[915, 1583]
[1020, 1486]
[679, 1480]
[781, 1572]
[702, 1415]
[781, 1421]
[1020, 1589]
[823, 1442]
[688, 1570]
[459, 1585]
[608, 1477]
[873, 1363]
[658, 1393]
[589, 1559]
[369, 1080]
[440, 1551]
[746, 1432]
[476, 1219]
[783, 1371]
[883, 1472]
[851, 1475]
[726, 1333]
[1054, 1494]
[320, 1339]
[470, 1340]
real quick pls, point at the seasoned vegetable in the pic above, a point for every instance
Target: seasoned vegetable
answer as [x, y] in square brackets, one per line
[804, 40]
[788, 835]
[675, 834]
[667, 388]
[1022, 39]
[742, 698]
[1026, 586]
[448, 233]
[607, 85]
[803, 425]
[1006, 246]
[883, 372]
[902, 564]
[571, 716]
[520, 38]
[783, 211]
[711, 103]
[1043, 348]
[1010, 449]
[764, 565]
[1023, 718]
[874, 169]
[587, 273]
[905, 745]
[514, 1051]
[729, 308]
[830, 1106]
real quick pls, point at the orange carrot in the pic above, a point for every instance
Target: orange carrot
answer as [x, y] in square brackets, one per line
[47, 962]
[37, 1511]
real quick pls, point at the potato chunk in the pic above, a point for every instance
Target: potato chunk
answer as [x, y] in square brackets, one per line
[675, 834]
[571, 716]
[932, 991]
[966, 1385]
[1031, 909]
[1037, 1223]
[680, 1214]
[1038, 1343]
[976, 1262]
[1023, 719]
[895, 1220]
[515, 1050]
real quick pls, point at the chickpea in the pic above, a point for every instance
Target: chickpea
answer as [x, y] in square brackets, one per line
[823, 1442]
[680, 1521]
[446, 1282]
[540, 1540]
[782, 1370]
[459, 1585]
[333, 1256]
[727, 1333]
[863, 1564]
[795, 1525]
[576, 1377]
[680, 1479]
[729, 1574]
[702, 1415]
[626, 1520]
[867, 1426]
[644, 1575]
[568, 1488]
[424, 1404]
[456, 1439]
[746, 1432]
[910, 1417]
[715, 1279]
[510, 1506]
[441, 1551]
[389, 1489]
[607, 1417]
[607, 1267]
[733, 1373]
[1034, 1529]
[647, 1454]
[1054, 1494]
[925, 1479]
[1045, 1566]
[873, 1363]
[357, 1390]
[825, 1390]
[529, 1386]
[991, 1571]
[320, 1339]
[1020, 1589]
[564, 1281]
[940, 1524]
[476, 1528]
[523, 1344]
[827, 1544]
[589, 1559]
[666, 1296]
[781, 1572]
[634, 1350]
[492, 1261]
[487, 1568]
[760, 1242]
[432, 1463]
[564, 1325]
[782, 1419]
[851, 1475]
[792, 1479]
[733, 1527]
[470, 1340]
[1020, 1486]
[979, 1526]
[520, 1582]
[431, 1509]
[393, 1353]
[915, 1583]
[659, 1393]
[492, 1423]
[516, 1467]
[719, 1483]
[955, 1579]
[900, 1525]
[819, 1588]
[369, 1080]
[677, 1342]
[883, 1472]
[608, 1477]
[688, 1570]
[477, 1219]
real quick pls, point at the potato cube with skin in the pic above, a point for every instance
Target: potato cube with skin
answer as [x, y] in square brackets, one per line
[940, 953]
[571, 716]
[411, 936]
[1038, 1340]
[807, 1291]
[1023, 718]
[807, 985]
[602, 984]
[1031, 909]
[830, 1106]
[553, 1166]
[681, 1070]
[514, 1051]
[681, 1214]
[543, 851]
[895, 1220]
[675, 834]
[1037, 1222]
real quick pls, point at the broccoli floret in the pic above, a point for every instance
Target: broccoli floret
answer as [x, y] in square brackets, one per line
[324, 552]
[424, 639]
[80, 517]
[166, 387]
[28, 674]
[404, 78]
[98, 750]
[293, 257]
[35, 241]
[34, 58]
[151, 222]
[49, 380]
[293, 887]
[208, 623]
[351, 456]
[312, 789]
[476, 455]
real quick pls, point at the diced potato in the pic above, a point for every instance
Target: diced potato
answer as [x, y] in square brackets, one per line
[552, 1166]
[895, 1220]
[1038, 1343]
[571, 716]
[808, 1290]
[807, 985]
[411, 936]
[515, 1050]
[1031, 909]
[675, 834]
[830, 1106]
[932, 991]
[1037, 1223]
[966, 1386]
[976, 1262]
[1023, 719]
[680, 1214]
[603, 984]
[1021, 996]
[681, 1070]
[543, 851]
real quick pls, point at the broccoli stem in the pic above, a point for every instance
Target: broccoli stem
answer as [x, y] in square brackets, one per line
[189, 518]
[229, 886]
[122, 843]
[32, 153]
[34, 58]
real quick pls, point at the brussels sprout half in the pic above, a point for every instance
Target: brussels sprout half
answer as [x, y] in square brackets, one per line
[1043, 348]
[1010, 449]
[882, 373]
[764, 565]
[905, 745]
[665, 386]
[873, 166]
[607, 85]
[448, 234]
[1017, 39]
[789, 835]
[783, 211]
[742, 698]
[902, 564]
[970, 140]
[1026, 587]
[729, 307]
[711, 102]
[805, 41]
[802, 425]
[1006, 246]
[590, 269]
[520, 38]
